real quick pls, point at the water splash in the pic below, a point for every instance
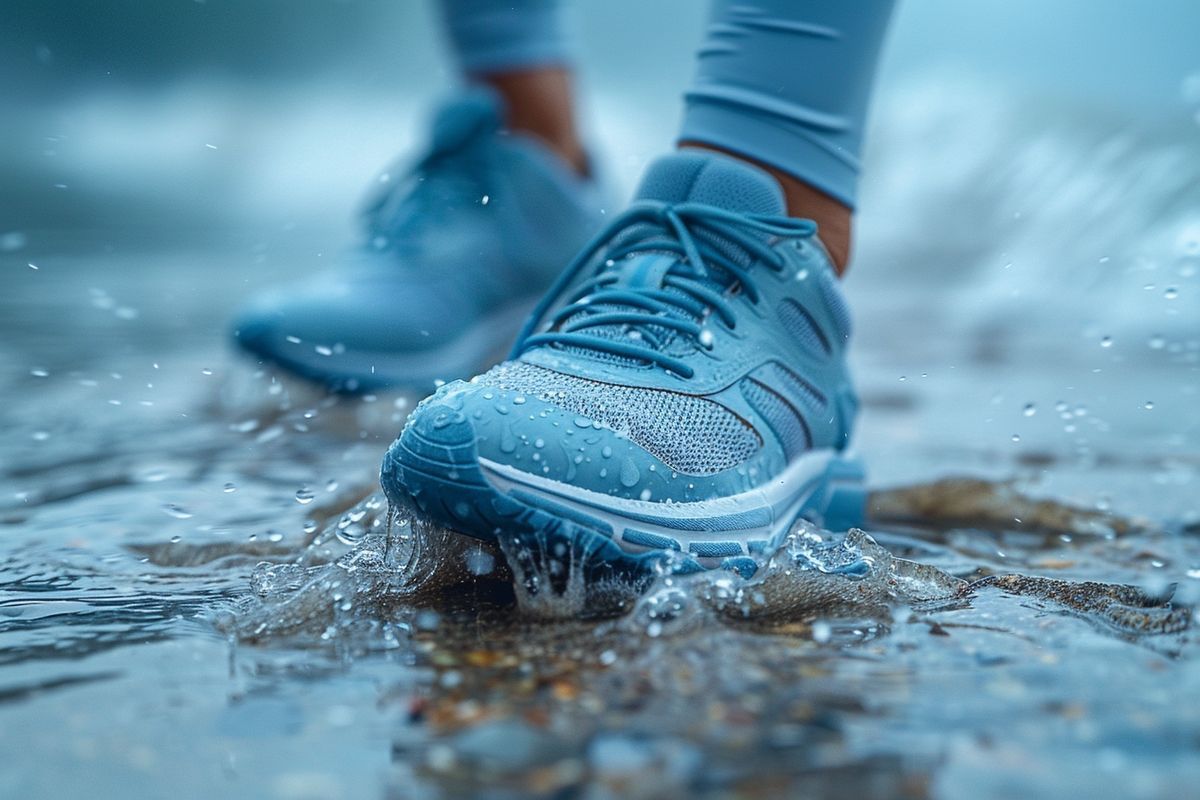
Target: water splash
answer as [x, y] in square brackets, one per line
[396, 563]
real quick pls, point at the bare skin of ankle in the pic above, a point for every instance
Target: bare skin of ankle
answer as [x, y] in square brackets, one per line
[539, 103]
[833, 218]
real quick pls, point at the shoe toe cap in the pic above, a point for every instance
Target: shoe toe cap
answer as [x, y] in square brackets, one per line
[465, 422]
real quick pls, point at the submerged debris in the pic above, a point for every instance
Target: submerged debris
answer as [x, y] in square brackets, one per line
[1127, 609]
[992, 505]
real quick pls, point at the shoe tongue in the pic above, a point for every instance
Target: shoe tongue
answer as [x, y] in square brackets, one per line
[713, 179]
[461, 131]
[468, 116]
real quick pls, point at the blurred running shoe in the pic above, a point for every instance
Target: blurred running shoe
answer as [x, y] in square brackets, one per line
[456, 255]
[683, 387]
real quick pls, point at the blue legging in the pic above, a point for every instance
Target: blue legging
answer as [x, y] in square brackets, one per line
[782, 82]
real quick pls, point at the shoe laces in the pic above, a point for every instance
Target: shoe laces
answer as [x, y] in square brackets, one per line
[702, 281]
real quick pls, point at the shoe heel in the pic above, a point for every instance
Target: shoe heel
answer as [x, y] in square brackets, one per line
[844, 501]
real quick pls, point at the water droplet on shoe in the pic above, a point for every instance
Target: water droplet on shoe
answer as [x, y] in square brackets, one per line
[629, 473]
[508, 442]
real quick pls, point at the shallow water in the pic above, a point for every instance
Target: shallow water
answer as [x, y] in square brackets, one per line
[201, 591]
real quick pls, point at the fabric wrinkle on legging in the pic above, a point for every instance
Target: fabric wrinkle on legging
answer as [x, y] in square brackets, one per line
[787, 83]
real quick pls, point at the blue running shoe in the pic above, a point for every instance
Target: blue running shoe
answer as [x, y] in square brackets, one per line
[683, 387]
[456, 257]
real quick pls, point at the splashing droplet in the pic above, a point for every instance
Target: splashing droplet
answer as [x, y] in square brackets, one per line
[178, 512]
[480, 562]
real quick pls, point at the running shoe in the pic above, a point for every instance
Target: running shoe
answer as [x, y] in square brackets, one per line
[455, 257]
[682, 388]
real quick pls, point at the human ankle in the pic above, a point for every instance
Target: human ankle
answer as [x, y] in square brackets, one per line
[834, 219]
[538, 102]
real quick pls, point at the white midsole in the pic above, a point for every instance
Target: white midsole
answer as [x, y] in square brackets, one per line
[782, 497]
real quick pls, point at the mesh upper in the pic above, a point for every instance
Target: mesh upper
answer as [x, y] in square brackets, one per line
[800, 324]
[800, 389]
[689, 434]
[837, 304]
[786, 421]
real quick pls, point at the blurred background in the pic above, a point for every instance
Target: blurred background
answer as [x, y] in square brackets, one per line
[197, 118]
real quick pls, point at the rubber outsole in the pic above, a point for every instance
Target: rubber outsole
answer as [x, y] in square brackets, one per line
[435, 465]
